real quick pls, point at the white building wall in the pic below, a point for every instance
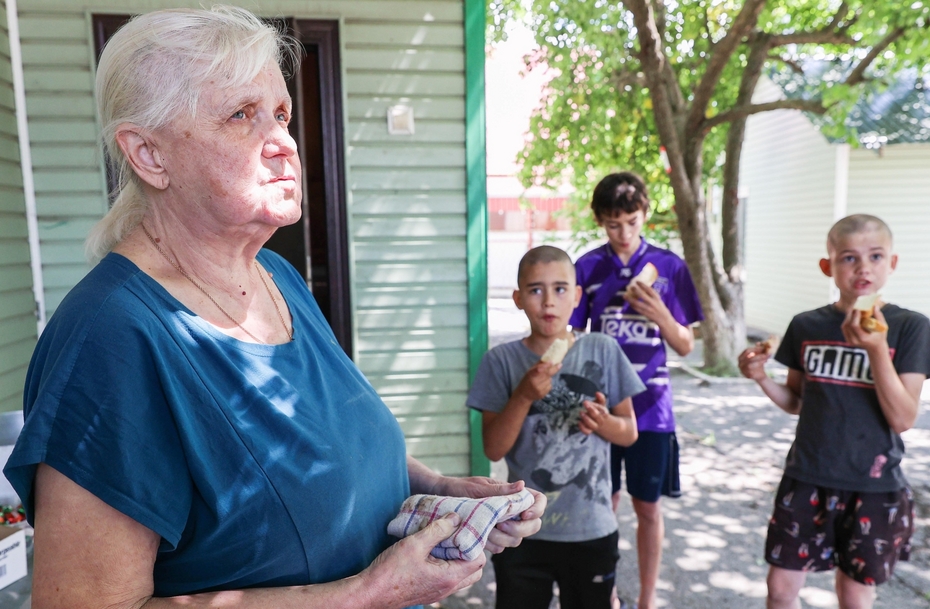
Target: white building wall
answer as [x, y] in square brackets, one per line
[895, 186]
[787, 175]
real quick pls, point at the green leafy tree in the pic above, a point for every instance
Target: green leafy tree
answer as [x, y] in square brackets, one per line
[630, 77]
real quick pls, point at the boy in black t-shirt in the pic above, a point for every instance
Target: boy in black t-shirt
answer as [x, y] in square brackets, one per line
[843, 500]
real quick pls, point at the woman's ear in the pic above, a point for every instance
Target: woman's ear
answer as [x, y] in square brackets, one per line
[140, 150]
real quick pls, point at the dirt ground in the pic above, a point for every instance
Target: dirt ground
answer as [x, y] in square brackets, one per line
[733, 444]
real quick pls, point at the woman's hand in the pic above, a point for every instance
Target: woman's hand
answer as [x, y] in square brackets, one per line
[508, 533]
[405, 574]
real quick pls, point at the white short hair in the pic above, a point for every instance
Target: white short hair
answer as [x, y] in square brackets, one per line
[152, 72]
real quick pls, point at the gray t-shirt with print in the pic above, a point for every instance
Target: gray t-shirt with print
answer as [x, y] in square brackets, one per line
[551, 454]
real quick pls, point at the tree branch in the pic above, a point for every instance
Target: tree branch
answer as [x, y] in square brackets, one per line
[793, 65]
[755, 63]
[806, 105]
[721, 282]
[676, 98]
[665, 94]
[858, 73]
[710, 37]
[832, 33]
[741, 28]
[841, 12]
[818, 37]
[624, 78]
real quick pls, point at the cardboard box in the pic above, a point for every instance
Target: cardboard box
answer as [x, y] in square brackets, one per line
[12, 555]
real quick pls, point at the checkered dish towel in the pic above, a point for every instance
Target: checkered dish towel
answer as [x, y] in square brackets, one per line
[478, 517]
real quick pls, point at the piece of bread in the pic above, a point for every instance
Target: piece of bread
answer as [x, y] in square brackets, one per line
[647, 276]
[769, 345]
[865, 305]
[556, 351]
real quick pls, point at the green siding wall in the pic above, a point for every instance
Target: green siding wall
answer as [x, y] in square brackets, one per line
[17, 303]
[406, 194]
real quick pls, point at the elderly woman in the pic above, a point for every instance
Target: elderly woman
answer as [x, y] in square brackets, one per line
[192, 428]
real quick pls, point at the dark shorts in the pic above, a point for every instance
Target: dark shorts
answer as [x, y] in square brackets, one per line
[584, 570]
[651, 466]
[815, 529]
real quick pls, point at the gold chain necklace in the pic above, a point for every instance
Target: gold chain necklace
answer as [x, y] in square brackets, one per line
[179, 269]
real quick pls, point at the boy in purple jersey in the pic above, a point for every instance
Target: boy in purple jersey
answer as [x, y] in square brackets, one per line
[640, 318]
[843, 501]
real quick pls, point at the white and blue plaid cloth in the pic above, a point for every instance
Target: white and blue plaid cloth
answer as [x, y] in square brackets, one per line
[478, 517]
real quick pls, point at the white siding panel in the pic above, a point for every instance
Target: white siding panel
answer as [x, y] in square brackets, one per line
[407, 11]
[425, 108]
[408, 251]
[17, 303]
[67, 164]
[386, 297]
[394, 35]
[448, 132]
[403, 60]
[415, 204]
[411, 340]
[788, 172]
[895, 186]
[406, 194]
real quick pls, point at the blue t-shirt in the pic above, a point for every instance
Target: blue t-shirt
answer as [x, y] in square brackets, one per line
[258, 465]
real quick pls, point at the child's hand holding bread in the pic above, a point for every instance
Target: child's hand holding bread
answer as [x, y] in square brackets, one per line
[752, 361]
[865, 325]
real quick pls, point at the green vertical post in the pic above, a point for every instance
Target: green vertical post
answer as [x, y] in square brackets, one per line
[477, 214]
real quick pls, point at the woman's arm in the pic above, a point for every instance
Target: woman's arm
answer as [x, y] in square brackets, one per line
[89, 555]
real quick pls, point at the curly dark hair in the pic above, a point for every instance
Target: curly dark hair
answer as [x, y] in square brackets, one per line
[619, 192]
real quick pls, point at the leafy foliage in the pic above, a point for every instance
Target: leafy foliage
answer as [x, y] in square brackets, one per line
[596, 113]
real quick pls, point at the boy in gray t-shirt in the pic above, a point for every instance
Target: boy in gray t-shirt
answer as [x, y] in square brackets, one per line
[552, 423]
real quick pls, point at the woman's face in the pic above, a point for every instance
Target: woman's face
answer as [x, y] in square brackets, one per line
[235, 164]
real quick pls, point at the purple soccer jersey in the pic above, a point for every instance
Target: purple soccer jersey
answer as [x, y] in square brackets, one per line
[604, 278]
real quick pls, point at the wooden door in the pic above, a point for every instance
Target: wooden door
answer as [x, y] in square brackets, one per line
[317, 245]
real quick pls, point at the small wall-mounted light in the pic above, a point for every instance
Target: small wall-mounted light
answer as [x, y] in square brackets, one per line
[400, 120]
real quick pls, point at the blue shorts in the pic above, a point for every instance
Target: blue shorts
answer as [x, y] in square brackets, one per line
[651, 466]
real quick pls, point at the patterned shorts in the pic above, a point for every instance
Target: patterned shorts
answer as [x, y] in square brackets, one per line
[815, 529]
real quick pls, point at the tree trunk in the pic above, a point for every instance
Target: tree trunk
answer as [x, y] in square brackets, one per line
[721, 351]
[723, 330]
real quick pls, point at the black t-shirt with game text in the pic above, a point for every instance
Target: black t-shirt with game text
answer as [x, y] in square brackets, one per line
[843, 440]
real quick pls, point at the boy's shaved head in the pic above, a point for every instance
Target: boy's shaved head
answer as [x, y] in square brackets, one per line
[541, 255]
[856, 223]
